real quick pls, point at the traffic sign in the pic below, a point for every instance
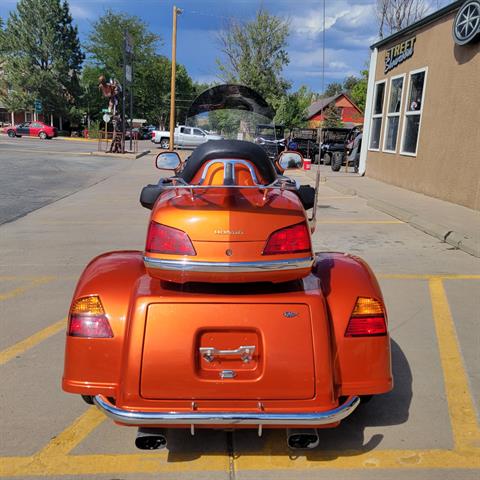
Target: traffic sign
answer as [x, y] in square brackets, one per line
[38, 105]
[106, 118]
[105, 110]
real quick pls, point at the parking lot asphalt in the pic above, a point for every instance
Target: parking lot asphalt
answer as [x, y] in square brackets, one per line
[426, 428]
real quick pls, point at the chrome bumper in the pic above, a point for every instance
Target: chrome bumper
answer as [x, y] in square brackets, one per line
[228, 267]
[136, 417]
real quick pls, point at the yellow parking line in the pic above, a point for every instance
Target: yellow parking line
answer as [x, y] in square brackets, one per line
[263, 460]
[368, 222]
[67, 440]
[24, 345]
[32, 283]
[460, 403]
[408, 276]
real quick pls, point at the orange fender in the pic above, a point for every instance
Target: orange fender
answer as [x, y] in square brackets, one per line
[362, 366]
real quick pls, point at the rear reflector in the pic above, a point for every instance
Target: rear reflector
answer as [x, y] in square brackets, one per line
[87, 319]
[367, 319]
[163, 239]
[293, 239]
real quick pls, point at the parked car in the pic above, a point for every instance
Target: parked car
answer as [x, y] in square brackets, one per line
[31, 129]
[304, 140]
[184, 137]
[271, 138]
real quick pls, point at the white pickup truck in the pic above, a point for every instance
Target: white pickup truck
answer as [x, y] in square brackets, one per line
[184, 137]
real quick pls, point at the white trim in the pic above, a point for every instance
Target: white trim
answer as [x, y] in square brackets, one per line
[413, 112]
[362, 164]
[389, 115]
[377, 115]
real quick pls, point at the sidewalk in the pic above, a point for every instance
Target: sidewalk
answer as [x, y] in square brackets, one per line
[456, 225]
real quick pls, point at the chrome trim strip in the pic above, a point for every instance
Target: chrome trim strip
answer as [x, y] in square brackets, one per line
[137, 417]
[233, 267]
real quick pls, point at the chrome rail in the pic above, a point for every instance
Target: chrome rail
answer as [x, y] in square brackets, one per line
[187, 418]
[226, 267]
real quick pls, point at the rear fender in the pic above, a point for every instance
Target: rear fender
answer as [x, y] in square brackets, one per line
[362, 365]
[94, 367]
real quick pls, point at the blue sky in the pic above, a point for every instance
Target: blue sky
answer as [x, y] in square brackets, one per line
[350, 29]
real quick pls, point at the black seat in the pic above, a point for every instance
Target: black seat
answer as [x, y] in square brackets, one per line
[227, 149]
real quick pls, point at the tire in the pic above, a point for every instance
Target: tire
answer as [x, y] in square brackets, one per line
[327, 159]
[164, 143]
[11, 133]
[337, 161]
[42, 135]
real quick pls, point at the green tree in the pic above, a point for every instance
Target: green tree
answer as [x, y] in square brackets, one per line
[151, 72]
[358, 92]
[332, 117]
[332, 89]
[255, 55]
[292, 108]
[41, 57]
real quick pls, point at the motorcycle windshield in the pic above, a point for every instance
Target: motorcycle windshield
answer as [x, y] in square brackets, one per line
[234, 112]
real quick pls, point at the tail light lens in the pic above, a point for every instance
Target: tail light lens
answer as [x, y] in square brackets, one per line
[367, 319]
[87, 319]
[293, 239]
[163, 239]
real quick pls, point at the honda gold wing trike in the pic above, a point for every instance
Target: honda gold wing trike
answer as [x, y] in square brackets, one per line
[228, 319]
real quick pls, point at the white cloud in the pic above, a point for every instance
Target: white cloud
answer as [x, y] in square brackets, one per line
[81, 13]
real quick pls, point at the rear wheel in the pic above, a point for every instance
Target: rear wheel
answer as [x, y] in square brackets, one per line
[337, 161]
[43, 135]
[11, 133]
[327, 159]
[164, 143]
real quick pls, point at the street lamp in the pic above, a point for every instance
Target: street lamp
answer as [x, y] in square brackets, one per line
[176, 11]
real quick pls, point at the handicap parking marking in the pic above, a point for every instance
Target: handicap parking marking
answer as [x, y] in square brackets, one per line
[55, 458]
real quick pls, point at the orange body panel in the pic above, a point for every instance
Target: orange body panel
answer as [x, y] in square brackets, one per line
[150, 334]
[220, 220]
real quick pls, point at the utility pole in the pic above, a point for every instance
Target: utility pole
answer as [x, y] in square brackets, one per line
[171, 143]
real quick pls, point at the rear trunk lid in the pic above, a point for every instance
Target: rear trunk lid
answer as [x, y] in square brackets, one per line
[228, 351]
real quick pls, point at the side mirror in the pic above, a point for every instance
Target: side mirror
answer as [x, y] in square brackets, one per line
[290, 160]
[168, 161]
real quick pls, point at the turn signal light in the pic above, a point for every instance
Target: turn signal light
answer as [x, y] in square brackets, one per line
[367, 319]
[293, 239]
[163, 239]
[87, 319]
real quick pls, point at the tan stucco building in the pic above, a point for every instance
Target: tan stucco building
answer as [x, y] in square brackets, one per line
[422, 118]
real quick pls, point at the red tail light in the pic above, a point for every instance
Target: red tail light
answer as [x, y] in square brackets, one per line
[163, 239]
[87, 319]
[367, 319]
[293, 239]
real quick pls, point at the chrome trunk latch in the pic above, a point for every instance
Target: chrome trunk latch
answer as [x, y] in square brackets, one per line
[227, 374]
[245, 352]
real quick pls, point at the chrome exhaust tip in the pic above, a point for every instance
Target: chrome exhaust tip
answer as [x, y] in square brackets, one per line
[302, 439]
[151, 438]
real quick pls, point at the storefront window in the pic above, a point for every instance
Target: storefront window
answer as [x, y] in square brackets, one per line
[413, 112]
[377, 115]
[393, 114]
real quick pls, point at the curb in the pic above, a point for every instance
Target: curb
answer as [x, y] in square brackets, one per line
[124, 156]
[439, 231]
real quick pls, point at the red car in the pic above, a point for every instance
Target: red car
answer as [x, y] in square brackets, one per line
[32, 129]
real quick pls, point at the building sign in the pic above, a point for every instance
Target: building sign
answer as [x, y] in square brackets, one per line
[466, 26]
[399, 53]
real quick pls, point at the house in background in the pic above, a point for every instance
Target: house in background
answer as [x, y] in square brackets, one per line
[350, 114]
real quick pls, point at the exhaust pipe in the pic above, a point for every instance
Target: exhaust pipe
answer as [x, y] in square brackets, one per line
[302, 438]
[151, 438]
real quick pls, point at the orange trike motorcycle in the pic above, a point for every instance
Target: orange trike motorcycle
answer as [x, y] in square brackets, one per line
[227, 319]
